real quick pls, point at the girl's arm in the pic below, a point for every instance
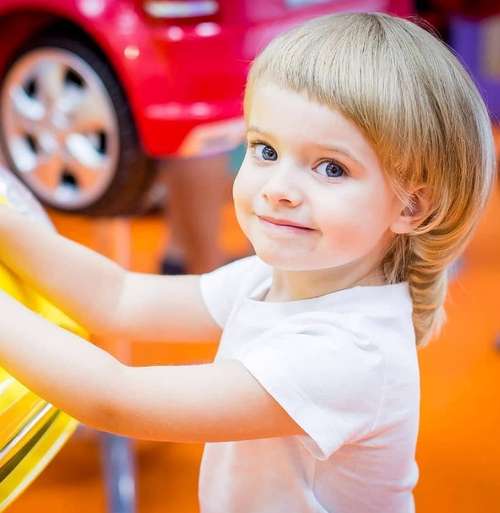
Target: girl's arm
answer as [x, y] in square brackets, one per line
[99, 294]
[214, 402]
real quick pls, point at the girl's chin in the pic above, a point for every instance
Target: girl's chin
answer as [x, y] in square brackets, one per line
[275, 259]
[280, 260]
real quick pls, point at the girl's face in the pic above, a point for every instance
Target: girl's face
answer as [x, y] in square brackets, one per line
[307, 165]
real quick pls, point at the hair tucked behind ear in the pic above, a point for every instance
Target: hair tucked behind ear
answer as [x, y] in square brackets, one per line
[423, 115]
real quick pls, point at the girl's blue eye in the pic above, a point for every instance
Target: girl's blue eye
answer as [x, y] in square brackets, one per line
[330, 169]
[265, 152]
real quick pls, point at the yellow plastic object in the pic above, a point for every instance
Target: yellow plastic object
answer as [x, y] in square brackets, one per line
[31, 429]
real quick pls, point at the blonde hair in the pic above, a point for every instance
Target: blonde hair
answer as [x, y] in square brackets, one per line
[423, 115]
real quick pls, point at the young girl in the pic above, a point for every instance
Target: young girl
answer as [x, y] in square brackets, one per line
[370, 157]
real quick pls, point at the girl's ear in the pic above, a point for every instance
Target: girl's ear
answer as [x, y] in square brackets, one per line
[414, 213]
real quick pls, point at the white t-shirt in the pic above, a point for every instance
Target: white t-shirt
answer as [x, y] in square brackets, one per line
[344, 366]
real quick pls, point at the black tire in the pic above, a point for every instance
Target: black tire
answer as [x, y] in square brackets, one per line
[135, 172]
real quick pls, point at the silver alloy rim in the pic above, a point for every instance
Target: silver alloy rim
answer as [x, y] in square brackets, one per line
[59, 127]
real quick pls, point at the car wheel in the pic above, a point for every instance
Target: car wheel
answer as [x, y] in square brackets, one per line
[67, 131]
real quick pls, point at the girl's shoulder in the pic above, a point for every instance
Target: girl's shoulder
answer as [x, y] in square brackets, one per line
[224, 287]
[243, 273]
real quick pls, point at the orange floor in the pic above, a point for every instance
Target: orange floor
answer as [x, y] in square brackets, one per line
[459, 442]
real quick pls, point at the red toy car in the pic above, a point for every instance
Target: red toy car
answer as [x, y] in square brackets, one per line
[92, 91]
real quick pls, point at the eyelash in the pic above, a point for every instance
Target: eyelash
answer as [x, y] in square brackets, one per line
[252, 145]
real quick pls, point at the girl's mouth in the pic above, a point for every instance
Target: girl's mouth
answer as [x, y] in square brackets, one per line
[283, 225]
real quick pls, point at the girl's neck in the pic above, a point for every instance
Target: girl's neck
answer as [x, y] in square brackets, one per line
[297, 285]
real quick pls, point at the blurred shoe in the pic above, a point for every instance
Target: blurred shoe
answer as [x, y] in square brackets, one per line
[171, 266]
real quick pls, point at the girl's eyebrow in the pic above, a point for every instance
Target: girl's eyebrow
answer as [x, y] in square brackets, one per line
[342, 151]
[329, 148]
[253, 128]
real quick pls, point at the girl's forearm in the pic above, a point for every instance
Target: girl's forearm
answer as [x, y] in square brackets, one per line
[64, 369]
[83, 283]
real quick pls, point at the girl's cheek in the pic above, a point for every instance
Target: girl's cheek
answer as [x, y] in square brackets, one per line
[237, 186]
[244, 188]
[343, 224]
[242, 201]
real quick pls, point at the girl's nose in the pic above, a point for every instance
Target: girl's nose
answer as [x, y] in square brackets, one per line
[281, 188]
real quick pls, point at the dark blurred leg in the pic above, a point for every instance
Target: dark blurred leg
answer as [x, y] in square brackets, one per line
[197, 190]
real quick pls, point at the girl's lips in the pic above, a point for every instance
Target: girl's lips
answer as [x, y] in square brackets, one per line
[283, 224]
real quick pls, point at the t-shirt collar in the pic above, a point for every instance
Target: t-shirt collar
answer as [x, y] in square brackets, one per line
[377, 298]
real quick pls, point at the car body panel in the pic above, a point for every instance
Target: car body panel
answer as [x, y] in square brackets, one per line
[176, 76]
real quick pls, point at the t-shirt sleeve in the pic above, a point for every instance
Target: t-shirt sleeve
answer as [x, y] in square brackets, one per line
[328, 379]
[220, 288]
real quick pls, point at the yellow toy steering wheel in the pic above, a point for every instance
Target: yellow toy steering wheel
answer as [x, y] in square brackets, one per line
[31, 430]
